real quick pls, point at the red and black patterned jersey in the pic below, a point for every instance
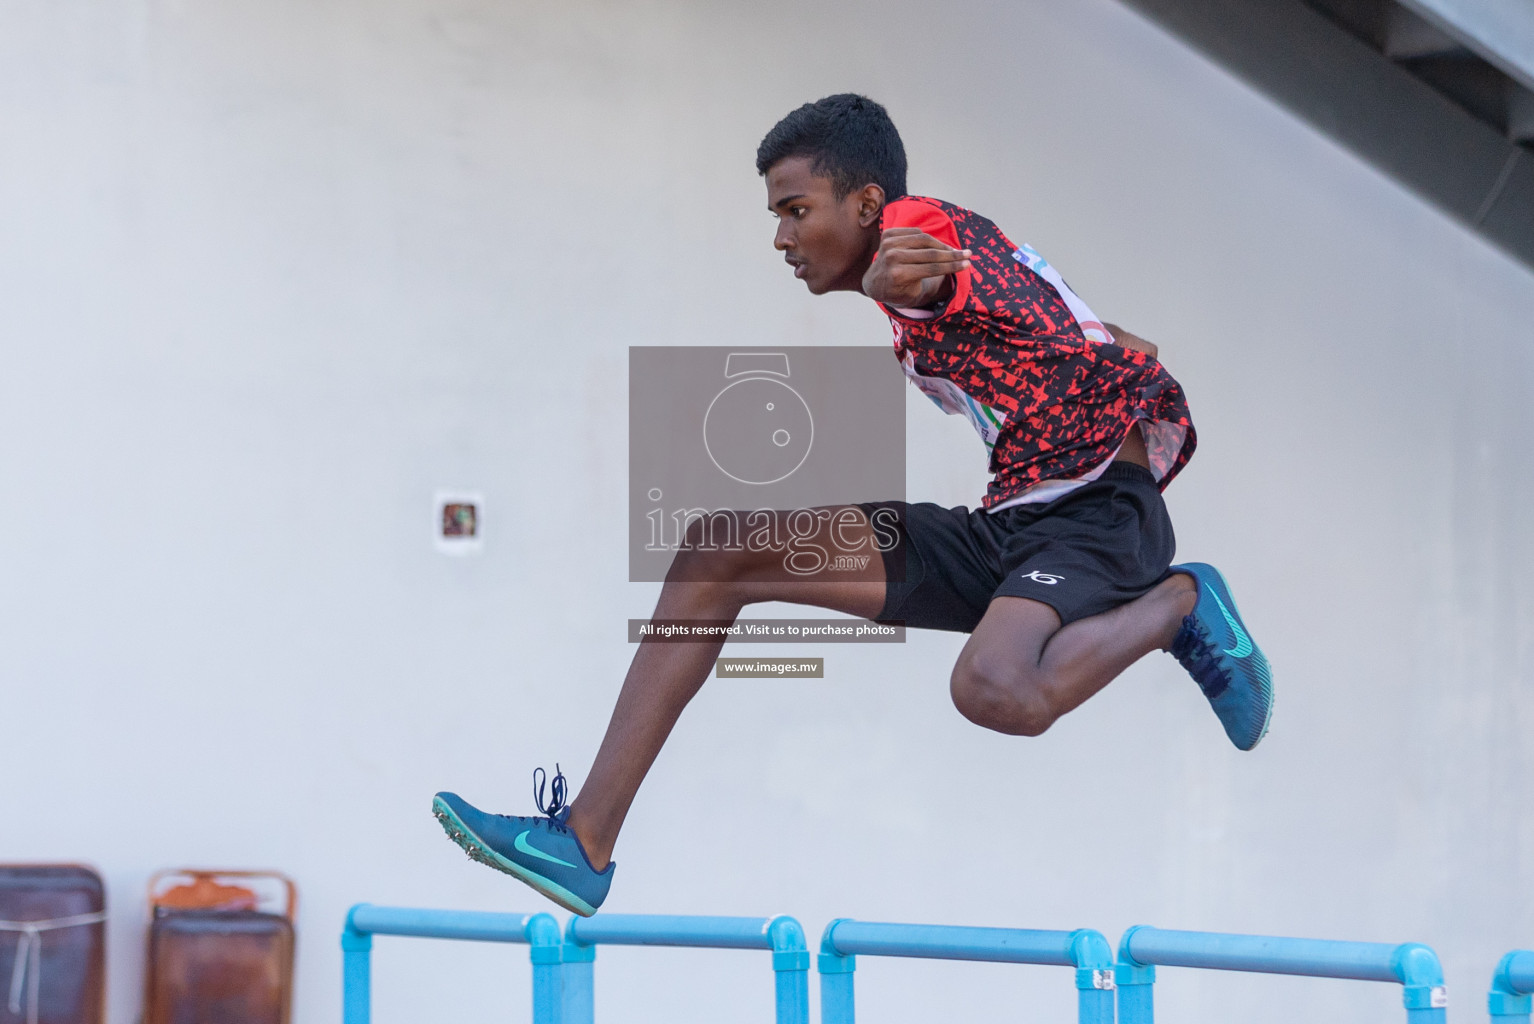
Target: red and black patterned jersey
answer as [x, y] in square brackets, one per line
[1022, 357]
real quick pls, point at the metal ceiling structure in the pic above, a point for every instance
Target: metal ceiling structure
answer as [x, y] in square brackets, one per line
[1437, 93]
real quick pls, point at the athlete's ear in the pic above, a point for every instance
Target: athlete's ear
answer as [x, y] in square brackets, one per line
[870, 204]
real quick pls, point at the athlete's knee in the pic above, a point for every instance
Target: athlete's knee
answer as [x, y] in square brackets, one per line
[703, 558]
[716, 575]
[1008, 698]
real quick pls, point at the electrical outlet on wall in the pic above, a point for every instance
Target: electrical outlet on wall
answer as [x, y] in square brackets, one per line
[459, 522]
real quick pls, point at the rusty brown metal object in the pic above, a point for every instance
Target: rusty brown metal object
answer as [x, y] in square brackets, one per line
[214, 956]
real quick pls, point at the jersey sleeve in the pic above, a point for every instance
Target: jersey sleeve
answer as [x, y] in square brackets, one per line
[909, 213]
[913, 213]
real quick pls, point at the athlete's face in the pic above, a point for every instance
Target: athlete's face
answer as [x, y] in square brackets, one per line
[828, 241]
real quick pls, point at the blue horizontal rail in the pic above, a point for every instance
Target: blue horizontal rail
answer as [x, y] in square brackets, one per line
[470, 925]
[1084, 949]
[539, 931]
[781, 935]
[1413, 966]
[1512, 984]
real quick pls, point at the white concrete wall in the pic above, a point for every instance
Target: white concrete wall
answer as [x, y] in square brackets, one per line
[272, 272]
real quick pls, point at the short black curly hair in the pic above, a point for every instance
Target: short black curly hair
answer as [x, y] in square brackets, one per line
[849, 138]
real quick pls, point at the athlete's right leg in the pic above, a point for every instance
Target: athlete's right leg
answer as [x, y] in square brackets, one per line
[664, 675]
[1021, 669]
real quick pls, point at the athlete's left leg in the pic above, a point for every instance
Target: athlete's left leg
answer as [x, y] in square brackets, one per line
[1020, 670]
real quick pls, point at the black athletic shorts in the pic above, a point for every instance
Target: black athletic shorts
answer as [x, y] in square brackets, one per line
[1095, 548]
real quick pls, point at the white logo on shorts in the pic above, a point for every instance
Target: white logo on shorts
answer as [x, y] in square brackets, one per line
[1043, 577]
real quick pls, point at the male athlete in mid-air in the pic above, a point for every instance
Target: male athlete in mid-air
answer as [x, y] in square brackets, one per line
[1063, 576]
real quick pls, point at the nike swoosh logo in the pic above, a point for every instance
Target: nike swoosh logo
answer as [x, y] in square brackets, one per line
[1243, 642]
[523, 846]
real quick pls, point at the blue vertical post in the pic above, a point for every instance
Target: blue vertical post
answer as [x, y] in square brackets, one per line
[1511, 984]
[356, 975]
[791, 970]
[836, 980]
[1137, 991]
[1093, 958]
[1421, 975]
[579, 964]
[1136, 986]
[544, 938]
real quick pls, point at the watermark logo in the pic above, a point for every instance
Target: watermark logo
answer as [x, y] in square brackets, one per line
[758, 429]
[763, 452]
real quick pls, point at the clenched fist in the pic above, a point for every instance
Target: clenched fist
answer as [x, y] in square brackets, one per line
[913, 269]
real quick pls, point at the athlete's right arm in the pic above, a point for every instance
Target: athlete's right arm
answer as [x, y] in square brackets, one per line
[912, 269]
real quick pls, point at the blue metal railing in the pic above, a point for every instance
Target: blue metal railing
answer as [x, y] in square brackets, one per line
[1084, 949]
[1413, 966]
[540, 931]
[1511, 986]
[562, 966]
[782, 935]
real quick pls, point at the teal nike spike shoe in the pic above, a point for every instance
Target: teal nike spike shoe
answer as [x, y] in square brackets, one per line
[542, 851]
[1220, 655]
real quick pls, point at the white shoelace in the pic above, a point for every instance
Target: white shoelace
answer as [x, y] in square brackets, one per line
[28, 965]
